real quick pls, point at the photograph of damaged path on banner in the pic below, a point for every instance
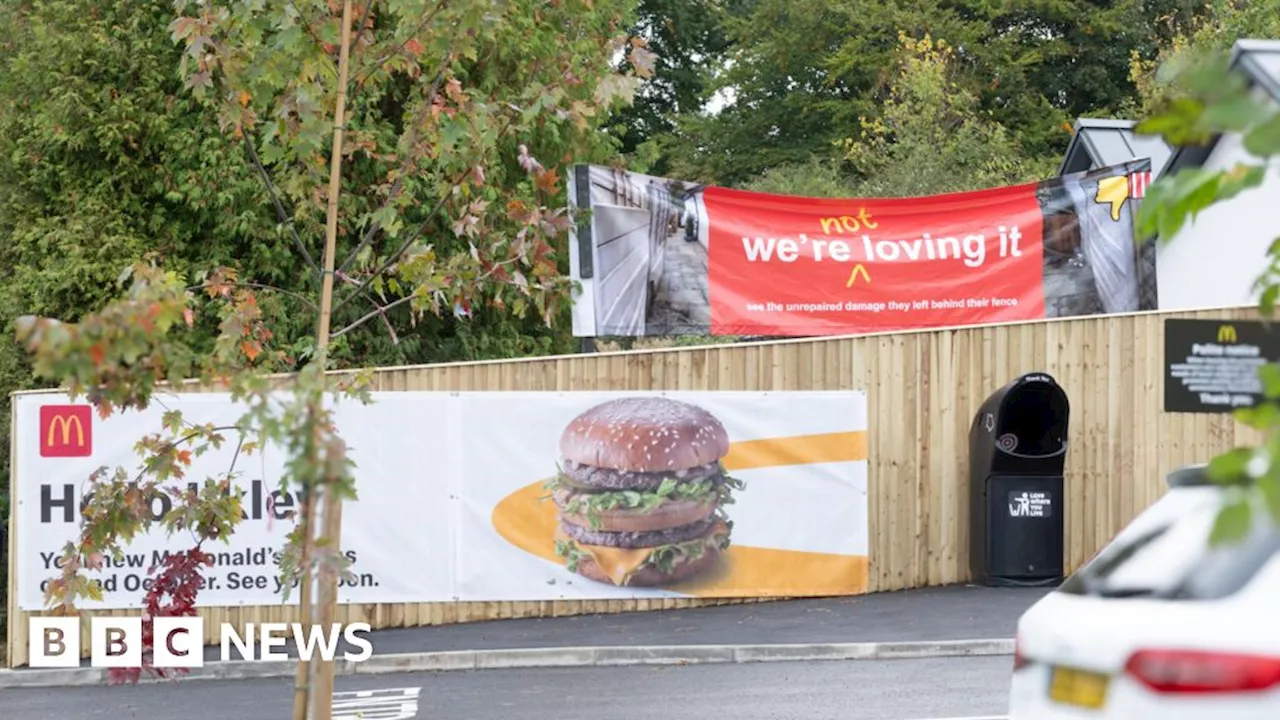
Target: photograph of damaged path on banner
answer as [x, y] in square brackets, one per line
[649, 256]
[1091, 266]
[664, 257]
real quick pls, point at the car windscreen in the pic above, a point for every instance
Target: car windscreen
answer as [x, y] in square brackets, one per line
[1174, 560]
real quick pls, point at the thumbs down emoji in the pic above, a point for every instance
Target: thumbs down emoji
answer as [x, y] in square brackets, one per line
[1116, 189]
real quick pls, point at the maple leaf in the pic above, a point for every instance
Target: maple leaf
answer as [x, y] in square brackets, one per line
[184, 457]
[454, 89]
[250, 349]
[413, 47]
[643, 60]
[548, 180]
[517, 211]
[97, 354]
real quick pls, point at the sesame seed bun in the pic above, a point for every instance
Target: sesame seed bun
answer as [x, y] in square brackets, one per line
[646, 434]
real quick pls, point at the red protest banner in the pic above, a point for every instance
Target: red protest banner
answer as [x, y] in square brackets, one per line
[780, 265]
[664, 257]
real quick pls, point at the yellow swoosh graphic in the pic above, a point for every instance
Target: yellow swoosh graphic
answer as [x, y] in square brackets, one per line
[525, 521]
[796, 450]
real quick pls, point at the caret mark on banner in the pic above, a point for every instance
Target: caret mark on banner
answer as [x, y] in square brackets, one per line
[814, 267]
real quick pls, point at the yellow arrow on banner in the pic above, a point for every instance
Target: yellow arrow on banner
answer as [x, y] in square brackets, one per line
[854, 275]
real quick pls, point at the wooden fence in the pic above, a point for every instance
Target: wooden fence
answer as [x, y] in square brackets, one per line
[923, 389]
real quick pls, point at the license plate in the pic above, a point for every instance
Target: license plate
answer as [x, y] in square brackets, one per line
[1078, 687]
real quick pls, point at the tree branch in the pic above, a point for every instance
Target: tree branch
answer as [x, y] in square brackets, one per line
[364, 290]
[306, 25]
[404, 168]
[423, 226]
[148, 464]
[364, 18]
[288, 221]
[394, 257]
[362, 76]
[260, 286]
[236, 457]
[382, 310]
[283, 217]
[419, 232]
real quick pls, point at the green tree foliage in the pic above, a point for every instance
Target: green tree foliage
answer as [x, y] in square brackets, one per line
[817, 177]
[804, 71]
[1204, 99]
[792, 91]
[684, 35]
[103, 158]
[930, 136]
[1213, 31]
[446, 204]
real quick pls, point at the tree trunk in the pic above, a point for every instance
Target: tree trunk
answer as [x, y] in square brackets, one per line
[320, 682]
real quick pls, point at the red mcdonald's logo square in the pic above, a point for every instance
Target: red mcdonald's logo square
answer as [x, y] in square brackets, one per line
[66, 431]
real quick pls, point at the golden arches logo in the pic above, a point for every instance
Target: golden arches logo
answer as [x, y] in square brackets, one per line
[1227, 334]
[66, 423]
[66, 431]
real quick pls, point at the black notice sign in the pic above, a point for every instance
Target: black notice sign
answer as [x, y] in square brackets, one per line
[1211, 366]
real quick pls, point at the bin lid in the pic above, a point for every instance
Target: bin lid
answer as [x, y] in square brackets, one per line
[1037, 377]
[996, 404]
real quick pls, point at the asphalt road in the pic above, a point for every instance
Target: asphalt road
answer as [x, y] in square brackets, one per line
[950, 688]
[930, 614]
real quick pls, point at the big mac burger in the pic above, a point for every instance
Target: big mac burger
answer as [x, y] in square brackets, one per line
[641, 491]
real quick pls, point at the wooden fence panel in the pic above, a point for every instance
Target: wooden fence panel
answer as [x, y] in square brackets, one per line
[923, 389]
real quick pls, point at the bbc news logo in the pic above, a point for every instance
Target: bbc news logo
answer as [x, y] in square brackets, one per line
[66, 431]
[54, 642]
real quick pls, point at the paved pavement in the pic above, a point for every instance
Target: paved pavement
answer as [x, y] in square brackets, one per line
[680, 300]
[927, 615]
[872, 690]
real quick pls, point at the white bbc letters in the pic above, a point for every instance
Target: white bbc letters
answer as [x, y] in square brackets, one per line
[53, 642]
[178, 642]
[116, 641]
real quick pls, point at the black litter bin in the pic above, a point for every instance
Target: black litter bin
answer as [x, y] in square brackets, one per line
[1017, 456]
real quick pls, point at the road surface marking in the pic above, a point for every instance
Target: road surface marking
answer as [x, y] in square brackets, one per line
[388, 704]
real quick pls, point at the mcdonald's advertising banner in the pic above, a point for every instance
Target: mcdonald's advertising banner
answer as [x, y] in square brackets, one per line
[667, 257]
[496, 496]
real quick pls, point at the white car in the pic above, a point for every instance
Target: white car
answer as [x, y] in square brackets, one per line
[1158, 624]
